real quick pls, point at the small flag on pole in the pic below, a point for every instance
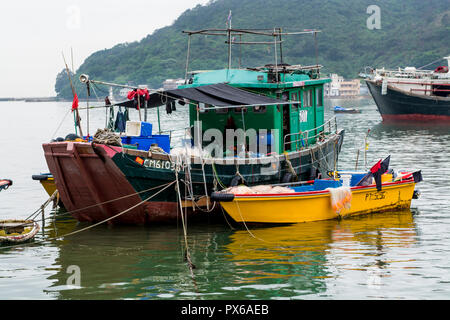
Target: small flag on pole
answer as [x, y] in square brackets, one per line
[229, 20]
[75, 102]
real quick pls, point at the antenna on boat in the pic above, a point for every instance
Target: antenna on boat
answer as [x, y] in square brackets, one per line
[71, 57]
[229, 39]
[84, 78]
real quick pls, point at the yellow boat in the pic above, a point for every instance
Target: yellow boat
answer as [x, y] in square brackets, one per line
[48, 183]
[315, 201]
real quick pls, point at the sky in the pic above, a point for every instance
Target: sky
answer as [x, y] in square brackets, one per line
[34, 34]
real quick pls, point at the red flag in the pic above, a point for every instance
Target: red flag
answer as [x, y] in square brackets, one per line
[75, 102]
[376, 167]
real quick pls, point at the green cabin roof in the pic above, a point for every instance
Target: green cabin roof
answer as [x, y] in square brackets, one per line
[252, 79]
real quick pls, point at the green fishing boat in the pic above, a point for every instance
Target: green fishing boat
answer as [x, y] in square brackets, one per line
[247, 125]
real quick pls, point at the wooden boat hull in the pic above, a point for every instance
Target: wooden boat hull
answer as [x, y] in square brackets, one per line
[16, 230]
[316, 206]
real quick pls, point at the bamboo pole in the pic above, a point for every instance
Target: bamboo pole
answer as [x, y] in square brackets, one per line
[78, 120]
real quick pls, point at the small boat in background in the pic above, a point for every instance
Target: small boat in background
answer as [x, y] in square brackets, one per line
[412, 94]
[339, 109]
[321, 199]
[5, 184]
[47, 181]
[17, 230]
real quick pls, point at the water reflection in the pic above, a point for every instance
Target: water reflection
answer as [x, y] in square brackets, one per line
[411, 129]
[304, 255]
[276, 262]
[346, 259]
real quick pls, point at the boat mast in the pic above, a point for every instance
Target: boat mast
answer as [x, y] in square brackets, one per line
[229, 40]
[281, 45]
[187, 58]
[76, 113]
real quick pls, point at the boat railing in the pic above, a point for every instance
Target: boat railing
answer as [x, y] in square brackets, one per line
[304, 139]
[404, 73]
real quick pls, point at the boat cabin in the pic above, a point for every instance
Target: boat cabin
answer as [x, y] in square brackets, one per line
[296, 122]
[302, 110]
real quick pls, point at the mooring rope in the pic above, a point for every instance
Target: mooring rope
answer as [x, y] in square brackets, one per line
[97, 204]
[93, 225]
[188, 255]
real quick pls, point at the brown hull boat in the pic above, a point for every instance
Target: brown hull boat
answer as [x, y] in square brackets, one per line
[89, 183]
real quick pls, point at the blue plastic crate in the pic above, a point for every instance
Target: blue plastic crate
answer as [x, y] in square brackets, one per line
[163, 141]
[322, 184]
[146, 129]
[142, 143]
[356, 177]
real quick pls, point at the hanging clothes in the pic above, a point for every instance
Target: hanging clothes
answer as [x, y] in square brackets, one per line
[121, 121]
[111, 124]
[170, 106]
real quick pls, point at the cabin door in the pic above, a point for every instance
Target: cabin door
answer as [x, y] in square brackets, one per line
[286, 123]
[294, 122]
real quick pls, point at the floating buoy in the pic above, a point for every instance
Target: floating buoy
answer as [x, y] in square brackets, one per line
[5, 184]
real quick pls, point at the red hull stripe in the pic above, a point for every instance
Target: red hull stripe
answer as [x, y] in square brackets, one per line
[415, 117]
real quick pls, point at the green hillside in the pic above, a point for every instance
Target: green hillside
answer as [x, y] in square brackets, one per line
[413, 33]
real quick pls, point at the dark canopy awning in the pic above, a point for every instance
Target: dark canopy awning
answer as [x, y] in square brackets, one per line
[219, 95]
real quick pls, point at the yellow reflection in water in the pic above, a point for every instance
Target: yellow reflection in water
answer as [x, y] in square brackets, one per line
[279, 244]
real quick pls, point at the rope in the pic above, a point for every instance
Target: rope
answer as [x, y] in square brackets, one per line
[107, 137]
[60, 124]
[289, 164]
[430, 64]
[188, 255]
[243, 221]
[101, 203]
[94, 225]
[217, 176]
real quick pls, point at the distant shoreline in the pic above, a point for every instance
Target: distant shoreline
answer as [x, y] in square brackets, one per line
[37, 99]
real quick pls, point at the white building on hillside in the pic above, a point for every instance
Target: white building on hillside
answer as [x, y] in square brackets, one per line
[339, 87]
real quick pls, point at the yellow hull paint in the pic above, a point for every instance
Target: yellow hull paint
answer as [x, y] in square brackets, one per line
[316, 207]
[280, 243]
[49, 186]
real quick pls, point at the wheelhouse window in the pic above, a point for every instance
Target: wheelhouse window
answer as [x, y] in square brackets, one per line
[319, 97]
[259, 109]
[295, 106]
[307, 98]
[240, 110]
[222, 110]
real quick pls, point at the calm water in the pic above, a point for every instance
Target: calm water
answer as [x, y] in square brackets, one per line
[399, 255]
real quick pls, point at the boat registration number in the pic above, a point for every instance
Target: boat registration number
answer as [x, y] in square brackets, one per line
[160, 164]
[376, 196]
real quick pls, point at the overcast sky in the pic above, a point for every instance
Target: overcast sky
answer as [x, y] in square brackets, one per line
[34, 33]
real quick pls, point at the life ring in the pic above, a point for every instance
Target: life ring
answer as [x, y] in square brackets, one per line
[441, 69]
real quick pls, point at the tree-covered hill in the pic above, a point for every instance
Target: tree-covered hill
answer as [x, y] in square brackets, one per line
[413, 33]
